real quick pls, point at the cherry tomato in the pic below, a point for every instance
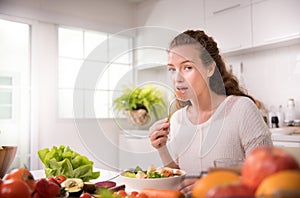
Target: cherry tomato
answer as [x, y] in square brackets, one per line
[14, 188]
[134, 193]
[24, 175]
[85, 195]
[60, 178]
[53, 180]
[122, 193]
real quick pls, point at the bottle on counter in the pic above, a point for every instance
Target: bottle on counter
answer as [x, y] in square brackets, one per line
[274, 122]
[281, 116]
[290, 113]
[272, 113]
[241, 78]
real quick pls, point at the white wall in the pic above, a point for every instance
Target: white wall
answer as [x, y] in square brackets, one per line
[271, 75]
[47, 128]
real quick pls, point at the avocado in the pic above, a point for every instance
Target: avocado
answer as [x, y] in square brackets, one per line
[73, 185]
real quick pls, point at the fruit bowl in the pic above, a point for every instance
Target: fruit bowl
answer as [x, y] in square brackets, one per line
[7, 156]
[167, 183]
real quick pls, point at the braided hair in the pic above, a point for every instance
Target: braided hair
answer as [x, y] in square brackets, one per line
[222, 81]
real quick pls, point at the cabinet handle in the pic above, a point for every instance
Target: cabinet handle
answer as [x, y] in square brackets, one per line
[226, 9]
[282, 37]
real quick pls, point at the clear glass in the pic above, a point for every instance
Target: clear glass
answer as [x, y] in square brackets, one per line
[70, 43]
[5, 112]
[68, 70]
[119, 74]
[120, 49]
[228, 162]
[95, 46]
[101, 100]
[5, 81]
[66, 104]
[107, 58]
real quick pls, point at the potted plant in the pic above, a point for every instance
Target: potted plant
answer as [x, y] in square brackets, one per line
[140, 103]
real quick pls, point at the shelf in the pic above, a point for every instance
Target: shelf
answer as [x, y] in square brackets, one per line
[262, 47]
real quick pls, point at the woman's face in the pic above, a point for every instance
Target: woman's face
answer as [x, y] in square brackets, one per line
[187, 72]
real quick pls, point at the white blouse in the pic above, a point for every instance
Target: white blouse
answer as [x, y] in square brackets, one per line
[235, 129]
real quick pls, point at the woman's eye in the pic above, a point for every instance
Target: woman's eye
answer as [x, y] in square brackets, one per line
[188, 67]
[170, 69]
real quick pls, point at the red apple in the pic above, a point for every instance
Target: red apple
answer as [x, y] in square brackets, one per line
[230, 190]
[265, 161]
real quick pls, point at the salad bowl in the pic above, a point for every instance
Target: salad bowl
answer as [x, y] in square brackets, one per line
[136, 182]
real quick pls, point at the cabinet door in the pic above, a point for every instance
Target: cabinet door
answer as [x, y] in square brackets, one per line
[229, 23]
[275, 21]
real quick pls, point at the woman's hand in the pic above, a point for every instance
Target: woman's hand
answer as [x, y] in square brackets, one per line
[186, 186]
[159, 132]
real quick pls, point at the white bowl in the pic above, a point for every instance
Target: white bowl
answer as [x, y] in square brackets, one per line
[168, 183]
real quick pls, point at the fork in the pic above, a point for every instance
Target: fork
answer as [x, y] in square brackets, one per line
[170, 107]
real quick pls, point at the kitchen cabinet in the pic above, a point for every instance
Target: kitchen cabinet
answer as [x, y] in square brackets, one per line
[229, 22]
[275, 21]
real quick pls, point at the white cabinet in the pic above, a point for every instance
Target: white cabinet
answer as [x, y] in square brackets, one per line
[275, 21]
[229, 22]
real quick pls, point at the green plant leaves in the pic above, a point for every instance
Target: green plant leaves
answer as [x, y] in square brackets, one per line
[148, 96]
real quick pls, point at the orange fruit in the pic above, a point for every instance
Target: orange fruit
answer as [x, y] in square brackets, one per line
[282, 180]
[211, 180]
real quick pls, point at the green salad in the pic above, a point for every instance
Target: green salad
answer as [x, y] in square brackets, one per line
[63, 161]
[152, 172]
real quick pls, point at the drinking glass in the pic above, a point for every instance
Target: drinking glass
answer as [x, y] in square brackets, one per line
[228, 162]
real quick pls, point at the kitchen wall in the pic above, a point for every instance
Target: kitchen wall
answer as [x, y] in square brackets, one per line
[272, 75]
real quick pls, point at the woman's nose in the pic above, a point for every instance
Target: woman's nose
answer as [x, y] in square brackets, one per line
[178, 77]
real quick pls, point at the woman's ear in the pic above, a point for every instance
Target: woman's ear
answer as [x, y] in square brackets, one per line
[211, 69]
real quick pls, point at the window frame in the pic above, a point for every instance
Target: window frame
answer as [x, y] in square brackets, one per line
[86, 91]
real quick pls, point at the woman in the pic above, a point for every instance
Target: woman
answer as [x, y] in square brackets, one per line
[220, 120]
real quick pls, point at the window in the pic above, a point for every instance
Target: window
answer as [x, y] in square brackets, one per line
[6, 92]
[15, 88]
[98, 52]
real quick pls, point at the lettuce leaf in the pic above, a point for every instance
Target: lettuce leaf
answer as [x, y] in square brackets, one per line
[64, 161]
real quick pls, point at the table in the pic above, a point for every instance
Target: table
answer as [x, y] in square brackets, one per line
[104, 174]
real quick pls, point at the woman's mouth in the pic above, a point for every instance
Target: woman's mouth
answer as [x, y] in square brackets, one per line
[180, 91]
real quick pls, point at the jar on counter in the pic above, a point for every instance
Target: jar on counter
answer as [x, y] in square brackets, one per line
[290, 113]
[297, 122]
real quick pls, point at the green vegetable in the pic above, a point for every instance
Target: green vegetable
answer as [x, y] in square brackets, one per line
[155, 175]
[63, 161]
[130, 174]
[105, 193]
[137, 169]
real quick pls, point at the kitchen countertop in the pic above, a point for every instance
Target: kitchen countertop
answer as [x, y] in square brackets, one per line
[294, 137]
[288, 138]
